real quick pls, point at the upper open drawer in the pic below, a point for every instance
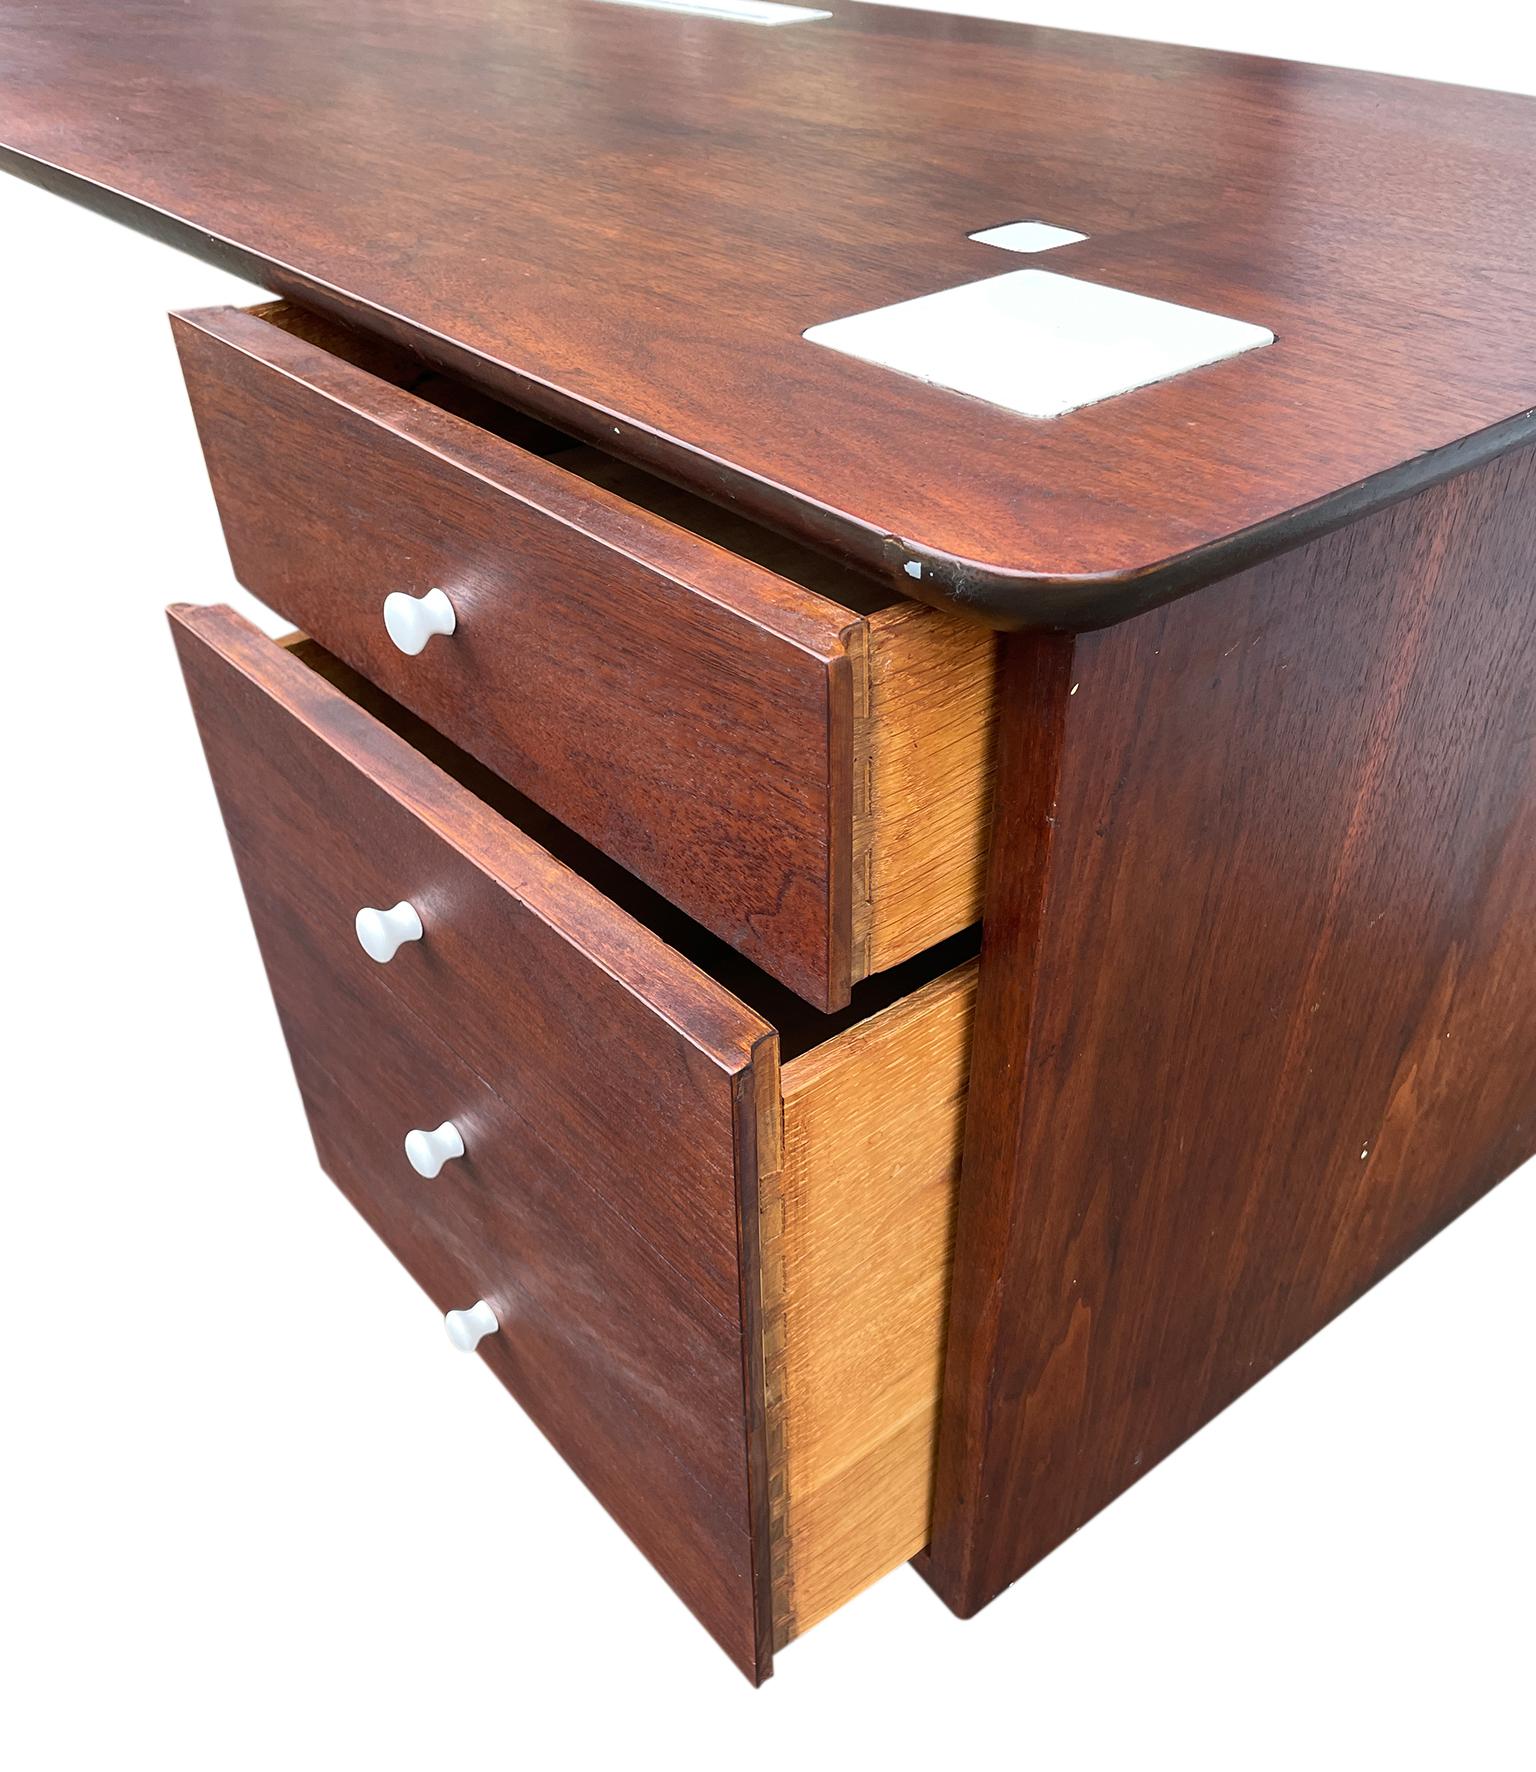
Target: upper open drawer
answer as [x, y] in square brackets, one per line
[767, 739]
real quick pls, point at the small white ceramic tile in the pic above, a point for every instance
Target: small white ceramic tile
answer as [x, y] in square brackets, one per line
[1039, 343]
[1026, 236]
[743, 12]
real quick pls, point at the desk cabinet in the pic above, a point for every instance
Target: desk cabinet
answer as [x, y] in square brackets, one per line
[879, 955]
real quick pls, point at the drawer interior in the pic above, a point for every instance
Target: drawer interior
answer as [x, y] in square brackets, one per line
[856, 1222]
[924, 679]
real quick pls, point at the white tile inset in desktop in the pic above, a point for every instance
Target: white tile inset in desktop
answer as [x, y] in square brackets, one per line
[1039, 343]
[1027, 236]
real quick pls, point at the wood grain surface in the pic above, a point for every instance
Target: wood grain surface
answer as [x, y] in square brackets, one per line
[623, 221]
[1257, 1011]
[602, 1341]
[924, 735]
[924, 713]
[858, 1230]
[628, 1147]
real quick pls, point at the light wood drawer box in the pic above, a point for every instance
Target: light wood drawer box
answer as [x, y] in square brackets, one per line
[717, 1242]
[795, 757]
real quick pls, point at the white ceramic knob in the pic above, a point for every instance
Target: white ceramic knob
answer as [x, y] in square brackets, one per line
[428, 1151]
[412, 621]
[384, 933]
[466, 1328]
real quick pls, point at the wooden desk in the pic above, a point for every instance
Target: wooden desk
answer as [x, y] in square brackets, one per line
[698, 801]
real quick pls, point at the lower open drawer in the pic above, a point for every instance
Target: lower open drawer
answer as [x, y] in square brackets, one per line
[712, 1225]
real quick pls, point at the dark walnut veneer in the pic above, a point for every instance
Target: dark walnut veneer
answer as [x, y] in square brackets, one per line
[1257, 1012]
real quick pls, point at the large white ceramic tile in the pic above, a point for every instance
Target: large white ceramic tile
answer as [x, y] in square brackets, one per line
[1039, 343]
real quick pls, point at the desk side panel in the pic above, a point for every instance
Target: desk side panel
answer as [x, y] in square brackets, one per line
[1257, 1011]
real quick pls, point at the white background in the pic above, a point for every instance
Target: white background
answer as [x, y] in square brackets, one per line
[257, 1513]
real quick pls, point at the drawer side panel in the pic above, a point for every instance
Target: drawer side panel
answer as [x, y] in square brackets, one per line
[856, 1257]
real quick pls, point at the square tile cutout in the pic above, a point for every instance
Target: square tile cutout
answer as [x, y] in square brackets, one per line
[743, 12]
[1028, 236]
[1038, 343]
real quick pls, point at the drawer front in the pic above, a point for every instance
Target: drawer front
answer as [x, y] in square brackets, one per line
[687, 711]
[600, 1341]
[608, 1204]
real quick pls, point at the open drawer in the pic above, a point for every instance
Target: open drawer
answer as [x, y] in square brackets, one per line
[796, 756]
[712, 1225]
